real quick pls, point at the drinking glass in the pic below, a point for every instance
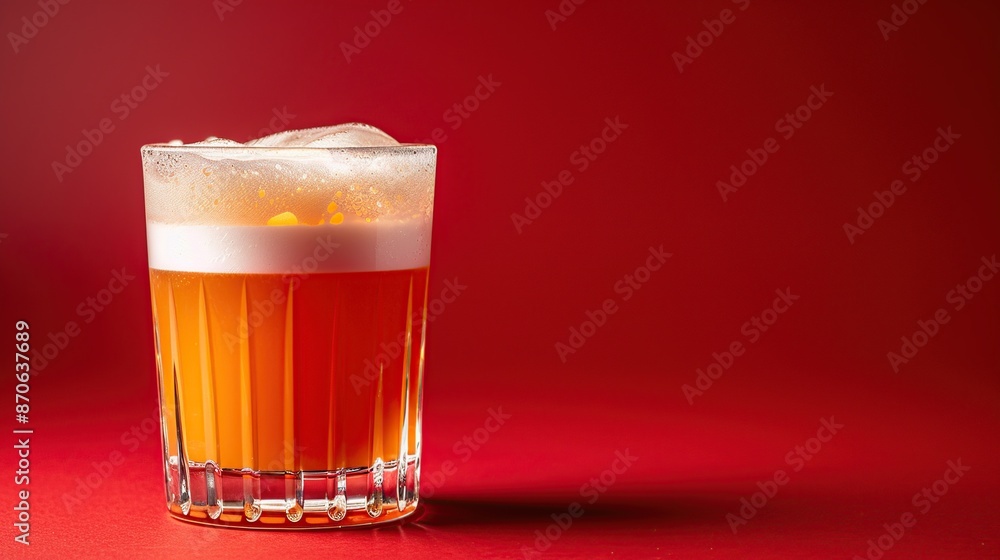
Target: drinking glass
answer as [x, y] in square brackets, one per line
[289, 293]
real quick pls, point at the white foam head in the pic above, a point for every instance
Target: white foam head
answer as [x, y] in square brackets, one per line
[348, 193]
[351, 135]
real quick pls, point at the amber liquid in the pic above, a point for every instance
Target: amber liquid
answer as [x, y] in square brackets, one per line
[271, 372]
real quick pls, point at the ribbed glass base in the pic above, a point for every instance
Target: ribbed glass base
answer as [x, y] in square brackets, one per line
[205, 493]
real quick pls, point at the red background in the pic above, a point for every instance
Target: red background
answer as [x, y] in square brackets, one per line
[494, 347]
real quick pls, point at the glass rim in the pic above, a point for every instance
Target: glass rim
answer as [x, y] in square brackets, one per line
[286, 150]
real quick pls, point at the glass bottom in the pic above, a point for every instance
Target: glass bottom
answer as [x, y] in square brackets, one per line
[207, 494]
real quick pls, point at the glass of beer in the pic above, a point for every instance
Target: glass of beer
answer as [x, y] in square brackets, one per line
[288, 279]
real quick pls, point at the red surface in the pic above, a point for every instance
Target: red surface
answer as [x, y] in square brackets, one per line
[495, 345]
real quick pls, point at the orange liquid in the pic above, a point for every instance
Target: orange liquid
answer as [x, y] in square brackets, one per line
[274, 372]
